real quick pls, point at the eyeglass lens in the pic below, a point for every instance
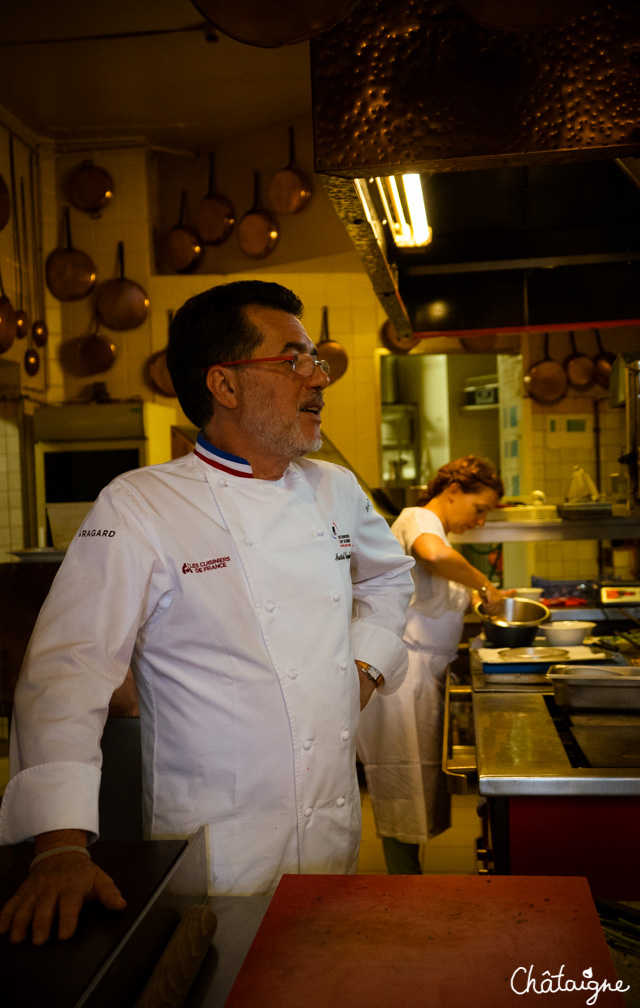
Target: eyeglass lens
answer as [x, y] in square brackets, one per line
[305, 365]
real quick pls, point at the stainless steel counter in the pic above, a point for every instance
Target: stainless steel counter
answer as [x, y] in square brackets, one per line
[519, 752]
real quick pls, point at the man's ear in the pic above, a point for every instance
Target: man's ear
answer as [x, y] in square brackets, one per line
[222, 386]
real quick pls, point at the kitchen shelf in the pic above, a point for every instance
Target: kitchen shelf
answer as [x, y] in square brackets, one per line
[556, 531]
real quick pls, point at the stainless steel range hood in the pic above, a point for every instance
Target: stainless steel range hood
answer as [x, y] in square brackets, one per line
[525, 142]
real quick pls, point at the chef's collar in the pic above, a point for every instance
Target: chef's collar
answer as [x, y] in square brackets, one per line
[231, 464]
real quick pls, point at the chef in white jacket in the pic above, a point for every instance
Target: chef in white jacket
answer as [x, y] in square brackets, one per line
[259, 599]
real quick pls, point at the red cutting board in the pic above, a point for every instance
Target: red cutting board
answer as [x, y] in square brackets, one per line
[426, 941]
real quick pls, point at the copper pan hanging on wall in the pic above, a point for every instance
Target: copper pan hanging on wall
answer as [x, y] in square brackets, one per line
[289, 189]
[7, 320]
[90, 188]
[257, 231]
[214, 215]
[579, 367]
[547, 380]
[70, 273]
[183, 247]
[122, 303]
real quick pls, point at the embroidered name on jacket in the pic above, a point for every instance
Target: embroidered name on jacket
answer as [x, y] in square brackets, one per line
[109, 533]
[205, 565]
[343, 542]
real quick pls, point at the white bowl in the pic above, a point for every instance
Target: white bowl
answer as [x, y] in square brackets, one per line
[533, 593]
[565, 633]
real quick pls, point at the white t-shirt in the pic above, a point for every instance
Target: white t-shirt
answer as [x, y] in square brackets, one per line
[438, 603]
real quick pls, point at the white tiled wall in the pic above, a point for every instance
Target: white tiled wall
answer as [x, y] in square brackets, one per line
[561, 441]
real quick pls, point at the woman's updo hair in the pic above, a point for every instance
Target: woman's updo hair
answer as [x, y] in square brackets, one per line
[471, 473]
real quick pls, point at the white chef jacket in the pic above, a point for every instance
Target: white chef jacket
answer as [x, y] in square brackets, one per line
[240, 604]
[400, 741]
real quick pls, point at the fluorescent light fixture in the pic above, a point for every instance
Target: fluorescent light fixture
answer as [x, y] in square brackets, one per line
[400, 203]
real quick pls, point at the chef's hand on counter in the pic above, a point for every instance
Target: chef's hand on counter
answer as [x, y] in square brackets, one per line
[60, 883]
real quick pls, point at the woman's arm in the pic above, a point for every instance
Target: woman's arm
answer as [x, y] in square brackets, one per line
[439, 558]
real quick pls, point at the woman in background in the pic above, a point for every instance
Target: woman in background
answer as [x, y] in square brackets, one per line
[400, 740]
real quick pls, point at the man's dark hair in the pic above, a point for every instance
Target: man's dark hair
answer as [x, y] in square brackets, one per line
[211, 328]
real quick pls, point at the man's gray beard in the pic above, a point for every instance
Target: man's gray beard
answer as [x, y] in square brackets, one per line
[284, 439]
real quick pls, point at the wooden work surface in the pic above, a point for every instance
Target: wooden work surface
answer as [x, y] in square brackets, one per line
[449, 941]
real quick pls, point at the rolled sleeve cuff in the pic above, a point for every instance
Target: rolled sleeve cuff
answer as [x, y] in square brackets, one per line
[384, 650]
[51, 796]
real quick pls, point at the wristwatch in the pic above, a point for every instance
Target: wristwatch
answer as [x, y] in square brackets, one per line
[370, 671]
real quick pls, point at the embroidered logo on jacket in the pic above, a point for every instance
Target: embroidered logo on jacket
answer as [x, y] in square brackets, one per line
[109, 533]
[205, 565]
[343, 541]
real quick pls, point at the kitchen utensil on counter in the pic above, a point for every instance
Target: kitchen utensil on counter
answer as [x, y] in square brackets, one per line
[515, 624]
[214, 215]
[529, 593]
[596, 687]
[289, 189]
[122, 303]
[602, 363]
[90, 188]
[533, 654]
[70, 273]
[329, 350]
[7, 320]
[182, 246]
[565, 633]
[547, 380]
[257, 231]
[579, 368]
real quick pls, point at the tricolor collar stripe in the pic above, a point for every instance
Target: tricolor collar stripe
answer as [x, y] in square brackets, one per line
[231, 464]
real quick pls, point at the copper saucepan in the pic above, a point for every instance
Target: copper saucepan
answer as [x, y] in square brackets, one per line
[90, 188]
[7, 320]
[579, 367]
[289, 189]
[214, 215]
[122, 303]
[547, 379]
[70, 273]
[332, 352]
[602, 363]
[183, 247]
[257, 230]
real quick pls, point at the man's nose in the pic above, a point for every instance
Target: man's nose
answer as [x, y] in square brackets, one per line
[318, 378]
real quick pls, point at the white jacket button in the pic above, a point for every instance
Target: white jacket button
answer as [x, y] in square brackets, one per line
[248, 541]
[319, 531]
[344, 666]
[308, 812]
[337, 596]
[292, 673]
[340, 802]
[269, 606]
[307, 744]
[345, 735]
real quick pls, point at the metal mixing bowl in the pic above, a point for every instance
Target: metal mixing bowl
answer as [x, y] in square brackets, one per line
[516, 623]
